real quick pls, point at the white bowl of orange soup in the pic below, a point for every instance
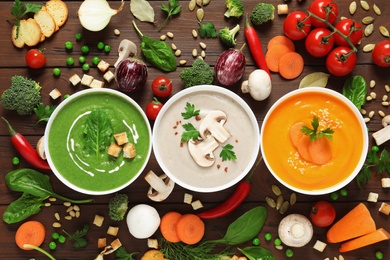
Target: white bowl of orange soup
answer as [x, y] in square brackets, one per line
[347, 146]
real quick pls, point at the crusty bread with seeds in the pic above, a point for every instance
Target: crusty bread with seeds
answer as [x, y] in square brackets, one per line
[59, 10]
[29, 33]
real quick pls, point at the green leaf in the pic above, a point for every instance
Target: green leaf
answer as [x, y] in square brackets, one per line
[227, 153]
[142, 10]
[121, 254]
[43, 112]
[158, 53]
[313, 133]
[190, 111]
[315, 79]
[207, 30]
[256, 253]
[190, 134]
[22, 208]
[79, 240]
[355, 89]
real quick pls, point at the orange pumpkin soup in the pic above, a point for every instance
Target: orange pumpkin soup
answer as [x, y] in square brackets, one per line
[346, 146]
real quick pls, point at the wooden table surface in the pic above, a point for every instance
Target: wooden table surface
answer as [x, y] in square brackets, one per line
[12, 62]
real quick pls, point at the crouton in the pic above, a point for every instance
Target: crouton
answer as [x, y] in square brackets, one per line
[96, 84]
[385, 208]
[129, 150]
[319, 246]
[55, 93]
[86, 80]
[98, 220]
[108, 76]
[102, 242]
[113, 231]
[75, 79]
[121, 138]
[372, 197]
[197, 204]
[385, 182]
[103, 66]
[114, 150]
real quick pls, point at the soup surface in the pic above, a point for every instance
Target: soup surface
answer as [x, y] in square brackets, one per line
[346, 144]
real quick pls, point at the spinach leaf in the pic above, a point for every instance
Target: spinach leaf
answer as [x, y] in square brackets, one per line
[20, 209]
[98, 132]
[257, 253]
[355, 89]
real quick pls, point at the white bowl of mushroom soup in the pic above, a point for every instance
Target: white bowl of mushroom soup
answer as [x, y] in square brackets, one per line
[206, 138]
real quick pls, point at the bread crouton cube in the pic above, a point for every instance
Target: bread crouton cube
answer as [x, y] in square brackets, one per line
[282, 9]
[102, 242]
[121, 138]
[129, 150]
[96, 84]
[319, 246]
[114, 150]
[153, 243]
[372, 197]
[116, 244]
[385, 182]
[197, 204]
[75, 79]
[108, 76]
[86, 80]
[113, 231]
[385, 208]
[187, 198]
[98, 220]
[103, 66]
[55, 93]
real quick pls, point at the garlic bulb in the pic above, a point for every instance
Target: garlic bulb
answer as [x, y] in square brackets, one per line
[94, 15]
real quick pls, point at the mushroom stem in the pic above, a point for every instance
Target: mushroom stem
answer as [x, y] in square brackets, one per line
[126, 48]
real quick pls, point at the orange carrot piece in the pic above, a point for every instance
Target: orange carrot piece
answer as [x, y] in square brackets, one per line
[303, 148]
[291, 65]
[369, 239]
[168, 226]
[273, 55]
[356, 223]
[281, 40]
[190, 229]
[31, 232]
[319, 150]
[296, 133]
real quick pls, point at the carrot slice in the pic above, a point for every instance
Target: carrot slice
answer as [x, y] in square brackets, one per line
[296, 133]
[356, 223]
[190, 229]
[31, 232]
[291, 65]
[369, 239]
[273, 55]
[319, 150]
[281, 40]
[168, 226]
[303, 148]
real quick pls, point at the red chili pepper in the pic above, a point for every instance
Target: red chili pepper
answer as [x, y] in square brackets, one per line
[26, 150]
[238, 196]
[255, 46]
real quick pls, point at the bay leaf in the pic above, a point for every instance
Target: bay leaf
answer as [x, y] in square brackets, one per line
[315, 79]
[142, 10]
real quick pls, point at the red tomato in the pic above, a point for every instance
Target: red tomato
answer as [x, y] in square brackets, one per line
[153, 108]
[349, 28]
[162, 87]
[341, 61]
[319, 42]
[322, 214]
[297, 25]
[381, 53]
[320, 9]
[35, 59]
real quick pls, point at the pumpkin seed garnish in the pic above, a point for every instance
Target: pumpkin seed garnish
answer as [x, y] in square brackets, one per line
[276, 190]
[352, 7]
[270, 202]
[368, 20]
[368, 47]
[364, 5]
[279, 202]
[284, 207]
[384, 31]
[369, 30]
[293, 198]
[376, 9]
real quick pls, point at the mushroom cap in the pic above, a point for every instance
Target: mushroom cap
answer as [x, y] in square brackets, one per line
[295, 230]
[212, 124]
[143, 221]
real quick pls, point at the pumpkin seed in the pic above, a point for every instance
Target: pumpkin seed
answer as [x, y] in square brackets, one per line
[369, 30]
[276, 190]
[192, 5]
[368, 19]
[364, 5]
[199, 3]
[368, 47]
[270, 202]
[284, 207]
[200, 14]
[352, 7]
[279, 202]
[206, 2]
[293, 198]
[376, 9]
[384, 31]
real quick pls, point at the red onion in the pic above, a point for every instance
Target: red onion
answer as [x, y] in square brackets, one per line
[131, 75]
[230, 67]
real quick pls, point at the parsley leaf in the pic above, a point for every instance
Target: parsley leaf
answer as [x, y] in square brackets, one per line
[173, 8]
[121, 254]
[190, 111]
[380, 162]
[227, 153]
[207, 30]
[18, 10]
[190, 134]
[43, 112]
[314, 133]
[79, 240]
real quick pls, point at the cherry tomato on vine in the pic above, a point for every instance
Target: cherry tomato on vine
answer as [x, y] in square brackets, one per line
[319, 42]
[349, 28]
[297, 25]
[322, 214]
[35, 59]
[320, 9]
[153, 108]
[341, 61]
[162, 87]
[381, 53]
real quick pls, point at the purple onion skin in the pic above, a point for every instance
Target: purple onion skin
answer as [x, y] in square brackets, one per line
[230, 67]
[131, 75]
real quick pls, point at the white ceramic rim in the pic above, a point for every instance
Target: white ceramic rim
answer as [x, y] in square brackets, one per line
[215, 89]
[56, 111]
[363, 129]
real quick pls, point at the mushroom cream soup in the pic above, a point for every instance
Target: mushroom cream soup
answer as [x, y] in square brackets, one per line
[66, 137]
[347, 143]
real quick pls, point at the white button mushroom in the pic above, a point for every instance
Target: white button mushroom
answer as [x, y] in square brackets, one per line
[258, 85]
[295, 230]
[202, 151]
[143, 221]
[160, 186]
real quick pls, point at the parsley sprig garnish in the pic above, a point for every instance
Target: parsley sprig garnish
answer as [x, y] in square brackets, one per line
[207, 30]
[190, 134]
[227, 153]
[374, 160]
[43, 112]
[190, 111]
[79, 240]
[171, 9]
[20, 9]
[314, 132]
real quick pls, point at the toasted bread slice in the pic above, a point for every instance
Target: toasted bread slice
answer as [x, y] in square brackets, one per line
[46, 22]
[59, 10]
[29, 33]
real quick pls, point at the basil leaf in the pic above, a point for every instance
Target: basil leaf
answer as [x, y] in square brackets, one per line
[22, 208]
[355, 89]
[315, 79]
[158, 53]
[257, 253]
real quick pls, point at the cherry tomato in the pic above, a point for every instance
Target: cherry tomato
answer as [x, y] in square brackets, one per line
[322, 214]
[341, 61]
[349, 28]
[320, 9]
[381, 53]
[319, 42]
[153, 108]
[162, 87]
[35, 59]
[297, 25]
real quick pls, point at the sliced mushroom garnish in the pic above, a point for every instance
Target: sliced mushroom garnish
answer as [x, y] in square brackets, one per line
[202, 151]
[212, 124]
[41, 148]
[160, 186]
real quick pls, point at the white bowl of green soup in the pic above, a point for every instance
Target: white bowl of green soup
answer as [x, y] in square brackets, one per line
[98, 141]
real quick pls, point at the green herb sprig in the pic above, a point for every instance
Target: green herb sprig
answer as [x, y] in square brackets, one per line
[122, 254]
[190, 111]
[19, 9]
[171, 9]
[374, 160]
[44, 112]
[190, 134]
[79, 240]
[207, 30]
[314, 132]
[227, 153]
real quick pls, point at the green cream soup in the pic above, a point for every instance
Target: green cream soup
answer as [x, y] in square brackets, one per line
[97, 172]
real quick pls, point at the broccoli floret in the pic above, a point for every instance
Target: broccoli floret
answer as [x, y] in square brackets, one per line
[235, 8]
[117, 207]
[23, 95]
[262, 13]
[228, 37]
[200, 73]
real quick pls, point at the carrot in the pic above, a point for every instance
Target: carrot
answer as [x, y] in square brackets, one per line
[190, 229]
[296, 133]
[290, 65]
[30, 232]
[303, 148]
[168, 226]
[319, 150]
[273, 55]
[356, 223]
[281, 40]
[369, 239]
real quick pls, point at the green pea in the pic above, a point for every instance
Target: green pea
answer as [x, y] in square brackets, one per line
[86, 67]
[379, 255]
[15, 160]
[107, 48]
[289, 252]
[95, 60]
[268, 236]
[82, 59]
[375, 148]
[55, 235]
[100, 45]
[52, 245]
[277, 242]
[84, 49]
[79, 36]
[61, 239]
[256, 241]
[66, 96]
[334, 196]
[68, 45]
[70, 61]
[343, 192]
[56, 72]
